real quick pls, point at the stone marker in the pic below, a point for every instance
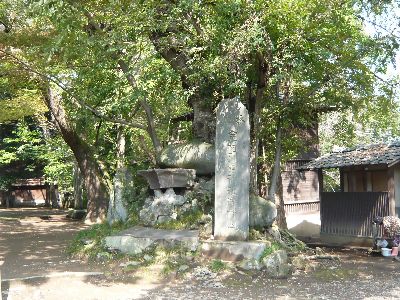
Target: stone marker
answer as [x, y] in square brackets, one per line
[232, 145]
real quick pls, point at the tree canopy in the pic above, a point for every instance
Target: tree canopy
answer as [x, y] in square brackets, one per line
[143, 64]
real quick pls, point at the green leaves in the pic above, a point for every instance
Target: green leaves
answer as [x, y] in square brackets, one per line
[24, 103]
[315, 52]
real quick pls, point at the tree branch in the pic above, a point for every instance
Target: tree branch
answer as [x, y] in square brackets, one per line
[75, 98]
[379, 26]
[150, 128]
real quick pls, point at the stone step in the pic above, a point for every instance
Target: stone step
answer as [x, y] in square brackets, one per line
[137, 239]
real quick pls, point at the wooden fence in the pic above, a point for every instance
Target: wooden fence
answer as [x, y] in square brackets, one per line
[352, 213]
[301, 207]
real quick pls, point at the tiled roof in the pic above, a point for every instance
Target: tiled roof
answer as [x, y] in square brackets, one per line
[376, 154]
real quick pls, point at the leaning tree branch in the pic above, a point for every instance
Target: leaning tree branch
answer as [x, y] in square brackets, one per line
[150, 128]
[75, 98]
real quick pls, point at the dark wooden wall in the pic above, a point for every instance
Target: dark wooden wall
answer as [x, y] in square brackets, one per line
[351, 214]
[300, 186]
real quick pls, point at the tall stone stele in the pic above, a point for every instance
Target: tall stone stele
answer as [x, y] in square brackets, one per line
[232, 176]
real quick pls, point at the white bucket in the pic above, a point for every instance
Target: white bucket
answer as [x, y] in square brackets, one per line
[386, 251]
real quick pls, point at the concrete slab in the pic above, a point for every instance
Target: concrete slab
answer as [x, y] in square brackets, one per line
[137, 239]
[233, 250]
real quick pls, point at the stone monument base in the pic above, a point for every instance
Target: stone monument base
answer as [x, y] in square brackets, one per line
[234, 250]
[137, 239]
[167, 178]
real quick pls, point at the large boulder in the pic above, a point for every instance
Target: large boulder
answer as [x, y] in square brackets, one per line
[194, 155]
[262, 212]
[276, 264]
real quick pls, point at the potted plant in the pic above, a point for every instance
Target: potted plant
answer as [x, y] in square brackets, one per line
[395, 247]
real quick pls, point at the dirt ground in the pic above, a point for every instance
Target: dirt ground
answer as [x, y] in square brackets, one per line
[34, 265]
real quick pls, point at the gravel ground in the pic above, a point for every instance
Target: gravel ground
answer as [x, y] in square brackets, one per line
[33, 246]
[357, 276]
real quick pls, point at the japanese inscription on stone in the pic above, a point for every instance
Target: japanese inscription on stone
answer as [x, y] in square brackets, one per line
[232, 171]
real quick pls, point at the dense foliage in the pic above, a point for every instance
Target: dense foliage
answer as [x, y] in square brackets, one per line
[142, 64]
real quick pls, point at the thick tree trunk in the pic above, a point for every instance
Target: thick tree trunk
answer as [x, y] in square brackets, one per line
[254, 148]
[253, 144]
[78, 183]
[95, 187]
[203, 125]
[95, 184]
[255, 105]
[203, 121]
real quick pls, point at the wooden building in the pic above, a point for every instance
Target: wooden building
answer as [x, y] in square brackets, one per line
[301, 198]
[369, 186]
[28, 192]
[300, 187]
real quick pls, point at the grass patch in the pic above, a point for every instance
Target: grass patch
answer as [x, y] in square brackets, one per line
[89, 242]
[275, 246]
[185, 221]
[330, 275]
[172, 258]
[217, 265]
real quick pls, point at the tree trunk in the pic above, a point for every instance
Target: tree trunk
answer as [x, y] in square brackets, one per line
[277, 164]
[78, 182]
[280, 206]
[254, 148]
[203, 125]
[203, 120]
[53, 196]
[253, 144]
[95, 184]
[255, 105]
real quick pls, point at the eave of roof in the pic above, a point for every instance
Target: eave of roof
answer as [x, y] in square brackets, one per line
[375, 154]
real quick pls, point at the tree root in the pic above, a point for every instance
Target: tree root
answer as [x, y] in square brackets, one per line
[291, 241]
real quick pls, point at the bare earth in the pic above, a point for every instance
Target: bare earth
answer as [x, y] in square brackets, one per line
[34, 265]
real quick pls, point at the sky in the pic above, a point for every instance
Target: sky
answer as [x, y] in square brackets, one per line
[388, 24]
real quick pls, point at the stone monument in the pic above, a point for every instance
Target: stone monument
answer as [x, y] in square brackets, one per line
[232, 146]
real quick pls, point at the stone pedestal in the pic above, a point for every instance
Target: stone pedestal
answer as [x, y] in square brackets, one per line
[232, 146]
[168, 178]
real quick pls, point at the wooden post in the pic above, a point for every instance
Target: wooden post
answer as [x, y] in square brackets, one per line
[391, 188]
[321, 189]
